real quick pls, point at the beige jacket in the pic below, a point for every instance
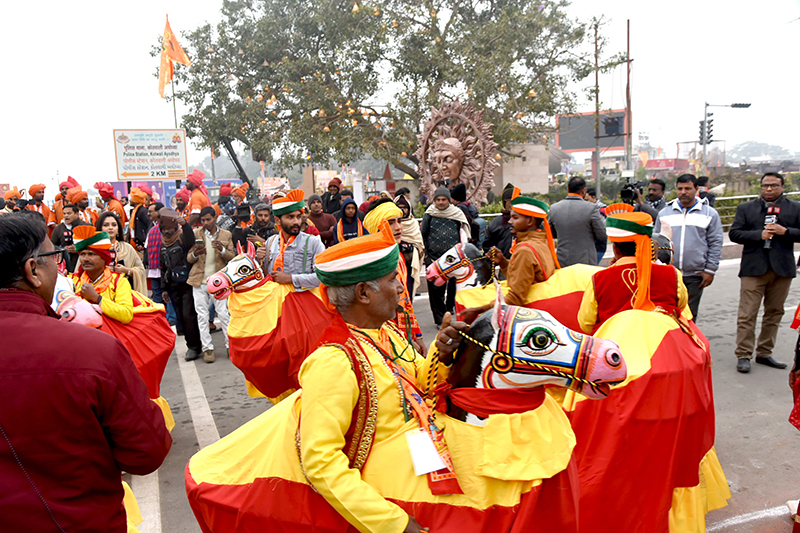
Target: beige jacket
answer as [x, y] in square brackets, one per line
[199, 263]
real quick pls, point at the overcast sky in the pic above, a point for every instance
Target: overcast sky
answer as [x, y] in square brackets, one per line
[73, 74]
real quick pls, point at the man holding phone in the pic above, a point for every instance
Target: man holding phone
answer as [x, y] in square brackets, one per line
[212, 250]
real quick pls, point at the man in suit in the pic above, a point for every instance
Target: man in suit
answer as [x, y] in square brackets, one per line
[577, 224]
[767, 268]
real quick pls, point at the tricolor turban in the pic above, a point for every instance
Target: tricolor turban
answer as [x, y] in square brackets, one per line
[33, 189]
[105, 190]
[384, 211]
[87, 237]
[293, 201]
[12, 193]
[532, 207]
[360, 259]
[638, 228]
[226, 189]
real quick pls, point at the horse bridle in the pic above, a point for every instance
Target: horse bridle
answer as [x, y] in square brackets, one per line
[257, 275]
[464, 262]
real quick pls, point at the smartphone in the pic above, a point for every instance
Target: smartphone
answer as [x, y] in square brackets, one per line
[121, 262]
[199, 242]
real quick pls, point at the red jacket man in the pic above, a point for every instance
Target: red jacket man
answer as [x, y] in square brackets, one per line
[75, 411]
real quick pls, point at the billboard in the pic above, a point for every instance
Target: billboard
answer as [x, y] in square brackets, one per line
[575, 133]
[150, 154]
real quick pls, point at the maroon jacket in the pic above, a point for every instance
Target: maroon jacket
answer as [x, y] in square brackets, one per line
[77, 413]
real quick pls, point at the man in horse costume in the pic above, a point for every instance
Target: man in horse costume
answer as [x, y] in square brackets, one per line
[362, 446]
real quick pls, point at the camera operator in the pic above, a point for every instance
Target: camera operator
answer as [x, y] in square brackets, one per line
[631, 194]
[655, 194]
[259, 231]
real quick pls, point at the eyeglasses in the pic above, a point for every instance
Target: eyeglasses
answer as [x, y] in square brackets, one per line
[771, 185]
[58, 254]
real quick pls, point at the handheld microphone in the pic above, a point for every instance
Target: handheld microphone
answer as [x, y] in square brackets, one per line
[772, 217]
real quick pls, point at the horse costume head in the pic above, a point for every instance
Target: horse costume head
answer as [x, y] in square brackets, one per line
[73, 308]
[519, 348]
[242, 273]
[465, 263]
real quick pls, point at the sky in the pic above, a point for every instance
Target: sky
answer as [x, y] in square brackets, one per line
[74, 74]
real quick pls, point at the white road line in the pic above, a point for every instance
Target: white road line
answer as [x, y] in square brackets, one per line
[773, 512]
[148, 496]
[202, 419]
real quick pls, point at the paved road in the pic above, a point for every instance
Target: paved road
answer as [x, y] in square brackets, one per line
[756, 445]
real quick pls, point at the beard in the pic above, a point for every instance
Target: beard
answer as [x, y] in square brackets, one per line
[293, 229]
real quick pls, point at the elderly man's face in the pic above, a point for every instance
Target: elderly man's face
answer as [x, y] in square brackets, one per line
[153, 212]
[448, 164]
[384, 305]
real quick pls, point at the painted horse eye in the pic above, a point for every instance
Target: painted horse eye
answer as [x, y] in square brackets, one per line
[244, 269]
[538, 340]
[449, 259]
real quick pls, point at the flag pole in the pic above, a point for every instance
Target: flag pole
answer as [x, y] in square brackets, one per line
[174, 110]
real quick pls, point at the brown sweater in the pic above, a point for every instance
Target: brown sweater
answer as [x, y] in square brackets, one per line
[325, 223]
[528, 266]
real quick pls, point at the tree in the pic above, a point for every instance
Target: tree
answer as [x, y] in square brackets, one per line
[300, 81]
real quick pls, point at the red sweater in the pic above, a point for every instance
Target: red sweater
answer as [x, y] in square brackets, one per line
[77, 413]
[325, 223]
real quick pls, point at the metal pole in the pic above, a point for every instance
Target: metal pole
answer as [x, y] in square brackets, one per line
[596, 163]
[174, 110]
[629, 121]
[705, 140]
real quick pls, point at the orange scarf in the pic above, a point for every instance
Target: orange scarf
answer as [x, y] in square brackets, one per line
[403, 321]
[340, 228]
[102, 284]
[278, 266]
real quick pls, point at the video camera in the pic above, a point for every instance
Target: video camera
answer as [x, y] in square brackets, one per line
[629, 190]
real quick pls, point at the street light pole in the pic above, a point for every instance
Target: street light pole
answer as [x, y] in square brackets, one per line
[596, 163]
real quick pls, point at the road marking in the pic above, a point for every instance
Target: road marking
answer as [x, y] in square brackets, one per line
[773, 512]
[204, 427]
[148, 496]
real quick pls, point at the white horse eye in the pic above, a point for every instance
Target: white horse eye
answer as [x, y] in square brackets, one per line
[538, 340]
[244, 269]
[449, 259]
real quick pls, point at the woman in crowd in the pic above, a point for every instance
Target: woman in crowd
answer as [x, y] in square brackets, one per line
[127, 262]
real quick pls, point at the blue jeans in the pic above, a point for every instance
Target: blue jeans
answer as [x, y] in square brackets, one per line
[158, 298]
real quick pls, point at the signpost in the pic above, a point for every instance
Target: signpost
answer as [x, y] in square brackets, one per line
[144, 155]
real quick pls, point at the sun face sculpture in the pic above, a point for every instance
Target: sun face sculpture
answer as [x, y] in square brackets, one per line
[455, 147]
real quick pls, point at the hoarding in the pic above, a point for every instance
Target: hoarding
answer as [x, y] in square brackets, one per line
[150, 154]
[576, 132]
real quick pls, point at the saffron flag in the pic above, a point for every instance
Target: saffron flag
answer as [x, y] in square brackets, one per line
[170, 51]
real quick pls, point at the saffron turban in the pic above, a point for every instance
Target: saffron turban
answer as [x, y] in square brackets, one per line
[241, 191]
[293, 201]
[137, 196]
[533, 207]
[106, 191]
[638, 228]
[33, 189]
[76, 194]
[13, 193]
[384, 211]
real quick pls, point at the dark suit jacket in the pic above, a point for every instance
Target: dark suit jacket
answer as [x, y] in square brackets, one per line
[747, 228]
[577, 224]
[63, 237]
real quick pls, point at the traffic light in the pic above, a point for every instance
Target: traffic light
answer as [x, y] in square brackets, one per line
[611, 126]
[709, 130]
[702, 132]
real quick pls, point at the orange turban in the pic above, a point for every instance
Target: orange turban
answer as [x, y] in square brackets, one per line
[33, 189]
[13, 193]
[241, 191]
[76, 194]
[137, 196]
[58, 197]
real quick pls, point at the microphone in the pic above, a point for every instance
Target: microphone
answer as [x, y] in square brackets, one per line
[772, 217]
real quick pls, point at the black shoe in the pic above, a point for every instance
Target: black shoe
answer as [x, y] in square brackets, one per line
[769, 361]
[192, 354]
[743, 365]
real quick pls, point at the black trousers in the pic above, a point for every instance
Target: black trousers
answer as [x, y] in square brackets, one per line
[442, 299]
[695, 292]
[183, 302]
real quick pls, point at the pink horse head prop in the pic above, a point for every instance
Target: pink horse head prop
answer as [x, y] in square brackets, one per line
[75, 309]
[242, 273]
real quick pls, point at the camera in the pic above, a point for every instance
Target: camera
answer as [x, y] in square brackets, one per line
[628, 192]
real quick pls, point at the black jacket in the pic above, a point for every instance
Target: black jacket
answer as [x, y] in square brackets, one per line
[498, 233]
[174, 265]
[747, 228]
[331, 203]
[63, 237]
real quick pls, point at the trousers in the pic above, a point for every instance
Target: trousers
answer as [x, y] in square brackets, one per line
[695, 293]
[202, 301]
[442, 299]
[772, 289]
[183, 302]
[155, 284]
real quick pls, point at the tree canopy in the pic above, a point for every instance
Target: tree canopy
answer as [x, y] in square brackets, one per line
[300, 81]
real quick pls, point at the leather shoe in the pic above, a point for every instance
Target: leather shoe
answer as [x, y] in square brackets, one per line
[743, 366]
[192, 354]
[769, 361]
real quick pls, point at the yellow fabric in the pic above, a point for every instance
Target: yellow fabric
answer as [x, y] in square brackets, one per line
[384, 211]
[162, 404]
[587, 314]
[117, 302]
[637, 349]
[527, 445]
[327, 407]
[253, 392]
[563, 281]
[691, 504]
[132, 512]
